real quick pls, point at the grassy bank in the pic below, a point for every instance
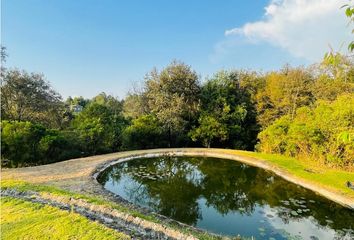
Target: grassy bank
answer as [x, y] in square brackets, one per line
[325, 177]
[26, 220]
[321, 176]
[43, 190]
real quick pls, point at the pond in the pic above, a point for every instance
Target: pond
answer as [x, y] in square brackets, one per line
[229, 198]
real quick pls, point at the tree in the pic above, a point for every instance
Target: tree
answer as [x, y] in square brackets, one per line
[135, 105]
[77, 101]
[144, 132]
[100, 125]
[19, 143]
[324, 132]
[28, 97]
[283, 93]
[223, 99]
[173, 96]
[209, 129]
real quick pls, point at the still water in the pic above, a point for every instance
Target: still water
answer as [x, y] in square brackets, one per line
[227, 197]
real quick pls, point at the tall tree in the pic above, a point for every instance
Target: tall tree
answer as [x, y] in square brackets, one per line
[28, 97]
[100, 124]
[173, 96]
[230, 105]
[283, 93]
[135, 105]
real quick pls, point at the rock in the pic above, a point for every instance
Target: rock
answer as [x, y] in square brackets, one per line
[314, 238]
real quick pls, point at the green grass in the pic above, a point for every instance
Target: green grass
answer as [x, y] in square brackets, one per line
[24, 186]
[325, 177]
[43, 189]
[26, 220]
[332, 179]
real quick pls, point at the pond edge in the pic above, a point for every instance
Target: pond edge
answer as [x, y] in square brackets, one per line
[256, 162]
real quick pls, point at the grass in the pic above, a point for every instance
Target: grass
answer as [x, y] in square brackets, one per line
[325, 177]
[25, 186]
[26, 220]
[43, 189]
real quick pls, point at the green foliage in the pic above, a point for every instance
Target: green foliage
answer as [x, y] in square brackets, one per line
[209, 129]
[283, 93]
[324, 132]
[135, 105]
[174, 109]
[230, 105]
[143, 133]
[99, 126]
[19, 142]
[25, 143]
[28, 97]
[56, 145]
[77, 101]
[172, 95]
[338, 67]
[349, 12]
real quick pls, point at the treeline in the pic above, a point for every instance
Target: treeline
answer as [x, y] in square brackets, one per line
[300, 112]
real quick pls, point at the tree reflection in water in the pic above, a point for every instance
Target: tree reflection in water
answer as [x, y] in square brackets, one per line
[174, 187]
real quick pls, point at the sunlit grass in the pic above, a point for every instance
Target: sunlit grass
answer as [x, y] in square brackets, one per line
[27, 220]
[22, 186]
[329, 178]
[325, 177]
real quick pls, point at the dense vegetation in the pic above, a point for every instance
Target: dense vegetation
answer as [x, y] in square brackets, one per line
[300, 112]
[303, 112]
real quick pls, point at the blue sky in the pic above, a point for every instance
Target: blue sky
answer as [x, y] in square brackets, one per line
[84, 47]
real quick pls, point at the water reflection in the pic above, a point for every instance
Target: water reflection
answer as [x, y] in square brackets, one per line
[228, 197]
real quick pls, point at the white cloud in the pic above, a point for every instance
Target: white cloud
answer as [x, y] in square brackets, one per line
[304, 28]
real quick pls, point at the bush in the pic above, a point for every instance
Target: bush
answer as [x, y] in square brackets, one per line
[144, 132]
[19, 142]
[25, 143]
[324, 132]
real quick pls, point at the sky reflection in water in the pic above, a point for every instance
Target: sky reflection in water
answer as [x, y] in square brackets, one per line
[228, 197]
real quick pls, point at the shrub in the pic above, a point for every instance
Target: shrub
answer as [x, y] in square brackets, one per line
[25, 143]
[144, 132]
[324, 132]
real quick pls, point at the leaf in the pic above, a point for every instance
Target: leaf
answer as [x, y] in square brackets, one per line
[348, 12]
